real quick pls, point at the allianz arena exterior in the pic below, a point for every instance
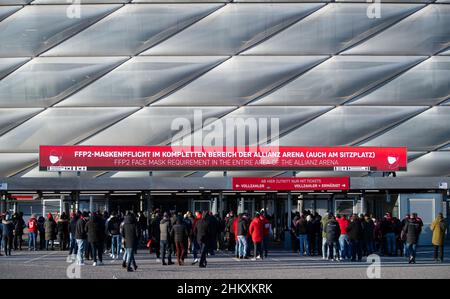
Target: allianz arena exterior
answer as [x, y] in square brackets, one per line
[116, 72]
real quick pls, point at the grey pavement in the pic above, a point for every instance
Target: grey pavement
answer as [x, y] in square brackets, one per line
[279, 265]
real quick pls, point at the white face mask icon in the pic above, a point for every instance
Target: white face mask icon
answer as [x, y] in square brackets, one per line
[392, 160]
[54, 159]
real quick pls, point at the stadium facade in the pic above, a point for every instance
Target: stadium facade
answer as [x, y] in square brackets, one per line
[116, 72]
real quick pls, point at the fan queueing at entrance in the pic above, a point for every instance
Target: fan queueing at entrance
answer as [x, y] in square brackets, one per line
[87, 236]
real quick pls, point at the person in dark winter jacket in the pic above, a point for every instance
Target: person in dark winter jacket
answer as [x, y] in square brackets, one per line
[332, 233]
[50, 231]
[155, 232]
[8, 234]
[95, 231]
[202, 231]
[229, 232]
[214, 229]
[41, 229]
[180, 234]
[301, 231]
[114, 231]
[388, 233]
[73, 248]
[355, 234]
[62, 227]
[130, 237]
[165, 228]
[19, 225]
[242, 231]
[412, 230]
[81, 237]
[368, 235]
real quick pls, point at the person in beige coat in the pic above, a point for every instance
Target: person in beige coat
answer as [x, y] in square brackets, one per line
[439, 228]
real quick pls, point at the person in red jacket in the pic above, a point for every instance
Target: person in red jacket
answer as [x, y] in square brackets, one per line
[32, 232]
[257, 232]
[344, 242]
[266, 232]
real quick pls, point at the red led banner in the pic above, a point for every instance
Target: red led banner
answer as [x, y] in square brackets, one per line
[148, 158]
[294, 184]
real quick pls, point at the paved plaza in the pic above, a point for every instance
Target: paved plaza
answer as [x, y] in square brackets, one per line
[279, 265]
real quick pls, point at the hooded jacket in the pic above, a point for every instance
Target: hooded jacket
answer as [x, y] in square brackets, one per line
[256, 230]
[50, 229]
[354, 230]
[165, 227]
[179, 232]
[95, 230]
[202, 230]
[129, 232]
[332, 231]
[114, 226]
[323, 224]
[80, 231]
[412, 230]
[438, 227]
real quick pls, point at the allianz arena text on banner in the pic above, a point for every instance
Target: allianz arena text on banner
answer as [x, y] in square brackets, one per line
[149, 158]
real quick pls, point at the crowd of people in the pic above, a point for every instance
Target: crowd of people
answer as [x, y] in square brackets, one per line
[88, 236]
[340, 238]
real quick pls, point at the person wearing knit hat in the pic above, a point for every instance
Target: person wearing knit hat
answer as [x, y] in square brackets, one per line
[50, 231]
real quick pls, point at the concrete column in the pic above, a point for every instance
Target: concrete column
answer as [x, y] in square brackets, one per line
[91, 203]
[107, 198]
[240, 205]
[214, 206]
[289, 208]
[363, 204]
[2, 204]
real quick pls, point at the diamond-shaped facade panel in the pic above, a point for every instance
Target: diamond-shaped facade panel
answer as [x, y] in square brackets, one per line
[142, 80]
[233, 29]
[331, 29]
[347, 125]
[260, 123]
[60, 126]
[134, 28]
[427, 83]
[156, 125]
[44, 81]
[12, 117]
[240, 80]
[432, 164]
[426, 32]
[36, 28]
[426, 131]
[338, 80]
[13, 163]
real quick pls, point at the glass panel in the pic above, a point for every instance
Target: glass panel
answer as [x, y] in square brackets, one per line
[11, 164]
[332, 29]
[423, 33]
[36, 28]
[347, 125]
[153, 125]
[233, 29]
[9, 118]
[425, 84]
[44, 81]
[426, 131]
[60, 126]
[240, 80]
[338, 80]
[141, 80]
[133, 29]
